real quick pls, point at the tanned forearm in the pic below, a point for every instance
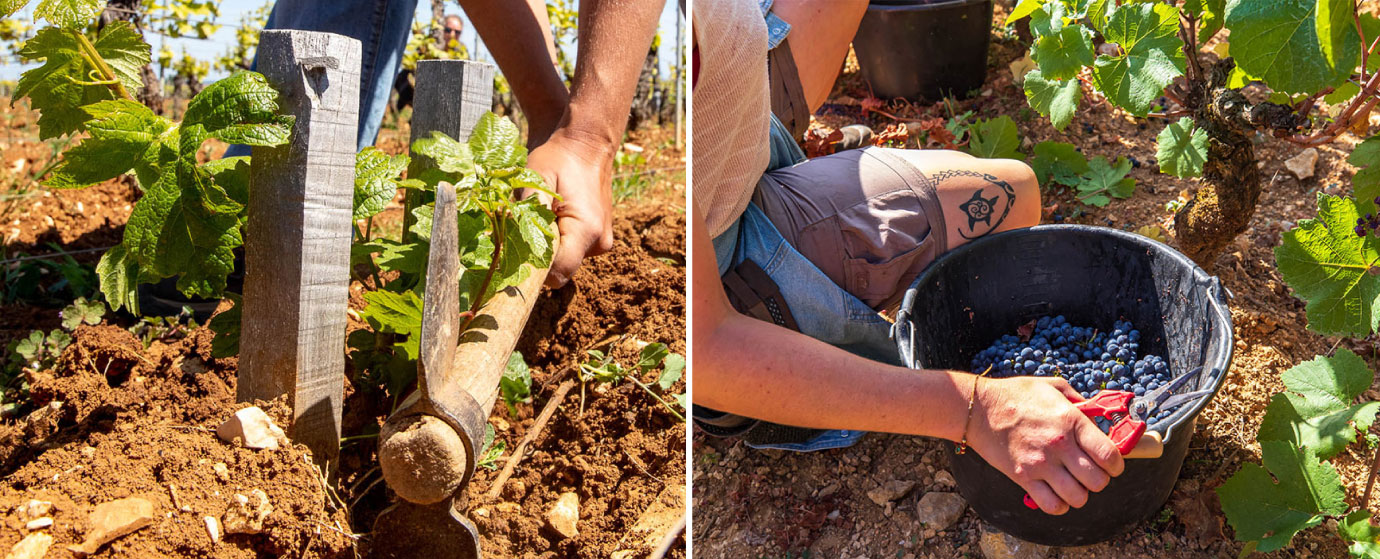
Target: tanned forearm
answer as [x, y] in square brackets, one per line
[614, 37]
[760, 370]
[518, 35]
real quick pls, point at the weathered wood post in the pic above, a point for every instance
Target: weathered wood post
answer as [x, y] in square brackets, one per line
[451, 95]
[297, 239]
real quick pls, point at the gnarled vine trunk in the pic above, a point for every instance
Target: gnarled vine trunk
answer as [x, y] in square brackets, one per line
[1223, 206]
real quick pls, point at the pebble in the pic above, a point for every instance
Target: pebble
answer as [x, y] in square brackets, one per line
[212, 528]
[39, 523]
[253, 428]
[940, 511]
[890, 491]
[246, 517]
[36, 508]
[999, 545]
[33, 546]
[1303, 164]
[943, 478]
[112, 520]
[565, 515]
[222, 472]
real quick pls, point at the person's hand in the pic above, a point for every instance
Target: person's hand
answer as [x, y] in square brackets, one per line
[1028, 428]
[578, 167]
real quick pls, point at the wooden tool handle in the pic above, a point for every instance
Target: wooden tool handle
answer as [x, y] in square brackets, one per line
[484, 347]
[1150, 445]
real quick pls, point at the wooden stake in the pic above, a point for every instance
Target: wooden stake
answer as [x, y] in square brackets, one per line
[546, 413]
[297, 250]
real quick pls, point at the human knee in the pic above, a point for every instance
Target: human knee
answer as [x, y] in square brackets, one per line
[1025, 190]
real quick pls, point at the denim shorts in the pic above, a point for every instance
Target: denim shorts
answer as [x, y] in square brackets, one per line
[822, 309]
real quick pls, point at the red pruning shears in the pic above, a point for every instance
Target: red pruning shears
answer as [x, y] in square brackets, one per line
[1130, 414]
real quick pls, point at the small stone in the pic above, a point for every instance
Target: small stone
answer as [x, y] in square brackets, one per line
[999, 545]
[247, 514]
[1303, 164]
[507, 508]
[222, 471]
[212, 528]
[36, 508]
[253, 428]
[88, 452]
[1109, 49]
[39, 523]
[564, 516]
[943, 478]
[113, 520]
[829, 490]
[33, 546]
[940, 511]
[625, 554]
[890, 491]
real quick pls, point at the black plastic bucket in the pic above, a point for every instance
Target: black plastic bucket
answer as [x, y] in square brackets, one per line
[924, 49]
[1093, 276]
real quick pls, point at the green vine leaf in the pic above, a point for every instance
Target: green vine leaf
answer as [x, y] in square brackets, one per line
[1315, 410]
[445, 153]
[496, 143]
[240, 109]
[119, 275]
[1063, 54]
[1183, 149]
[1296, 46]
[995, 138]
[1364, 537]
[1261, 510]
[1151, 56]
[1055, 99]
[1328, 266]
[9, 7]
[68, 14]
[1105, 180]
[54, 89]
[396, 313]
[516, 384]
[376, 181]
[1058, 162]
[124, 135]
[1366, 182]
[226, 326]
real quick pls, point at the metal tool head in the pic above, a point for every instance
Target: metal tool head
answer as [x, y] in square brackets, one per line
[441, 303]
[1164, 396]
[437, 531]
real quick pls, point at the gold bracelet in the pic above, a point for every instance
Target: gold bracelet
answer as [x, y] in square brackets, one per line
[972, 399]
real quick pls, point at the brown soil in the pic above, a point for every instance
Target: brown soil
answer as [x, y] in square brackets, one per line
[135, 421]
[141, 423]
[751, 503]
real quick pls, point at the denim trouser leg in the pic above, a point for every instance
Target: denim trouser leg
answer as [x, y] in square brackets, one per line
[382, 27]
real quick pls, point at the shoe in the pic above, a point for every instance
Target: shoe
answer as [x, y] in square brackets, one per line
[763, 435]
[854, 136]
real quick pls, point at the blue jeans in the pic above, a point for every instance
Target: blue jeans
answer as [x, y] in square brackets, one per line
[382, 27]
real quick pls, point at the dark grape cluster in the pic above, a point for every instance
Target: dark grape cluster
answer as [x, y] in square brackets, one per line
[1369, 223]
[1089, 360]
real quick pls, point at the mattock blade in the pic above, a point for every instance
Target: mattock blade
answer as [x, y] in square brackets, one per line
[437, 531]
[441, 302]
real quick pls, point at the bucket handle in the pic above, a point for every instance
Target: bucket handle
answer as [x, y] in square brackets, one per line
[903, 330]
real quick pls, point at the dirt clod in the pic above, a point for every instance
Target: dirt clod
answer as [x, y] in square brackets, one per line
[890, 491]
[940, 511]
[247, 514]
[1000, 545]
[114, 519]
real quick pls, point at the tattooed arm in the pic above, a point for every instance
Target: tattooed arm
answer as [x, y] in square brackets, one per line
[1024, 426]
